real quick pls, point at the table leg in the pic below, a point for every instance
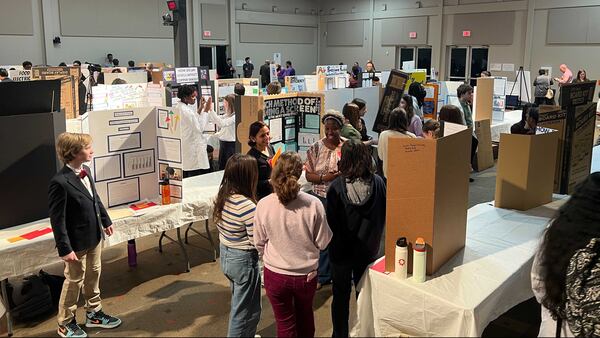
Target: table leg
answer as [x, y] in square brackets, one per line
[6, 303]
[209, 236]
[164, 233]
[186, 232]
[179, 241]
[206, 236]
[185, 254]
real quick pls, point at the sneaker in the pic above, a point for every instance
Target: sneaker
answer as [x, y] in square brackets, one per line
[101, 319]
[71, 330]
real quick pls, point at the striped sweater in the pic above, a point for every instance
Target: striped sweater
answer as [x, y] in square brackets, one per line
[237, 223]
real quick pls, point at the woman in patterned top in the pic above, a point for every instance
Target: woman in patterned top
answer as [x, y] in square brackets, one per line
[234, 216]
[321, 169]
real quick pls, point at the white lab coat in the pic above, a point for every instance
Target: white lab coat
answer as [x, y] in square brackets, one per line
[226, 125]
[193, 142]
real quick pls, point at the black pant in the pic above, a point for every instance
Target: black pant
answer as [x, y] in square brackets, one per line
[544, 100]
[192, 173]
[226, 150]
[343, 275]
[474, 144]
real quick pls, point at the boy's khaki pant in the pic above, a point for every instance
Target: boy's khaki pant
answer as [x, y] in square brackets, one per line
[83, 272]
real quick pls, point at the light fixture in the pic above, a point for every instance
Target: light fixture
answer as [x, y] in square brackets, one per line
[275, 9]
[244, 6]
[384, 7]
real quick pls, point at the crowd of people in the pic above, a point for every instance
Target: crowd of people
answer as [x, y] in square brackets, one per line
[293, 241]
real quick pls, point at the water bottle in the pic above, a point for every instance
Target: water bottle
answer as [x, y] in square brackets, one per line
[131, 253]
[401, 269]
[419, 260]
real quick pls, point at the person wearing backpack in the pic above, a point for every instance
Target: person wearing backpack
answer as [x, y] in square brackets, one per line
[565, 276]
[79, 222]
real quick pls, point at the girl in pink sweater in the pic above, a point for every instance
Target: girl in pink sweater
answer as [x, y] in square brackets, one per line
[290, 228]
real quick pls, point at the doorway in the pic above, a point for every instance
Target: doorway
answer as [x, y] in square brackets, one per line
[420, 55]
[214, 57]
[466, 63]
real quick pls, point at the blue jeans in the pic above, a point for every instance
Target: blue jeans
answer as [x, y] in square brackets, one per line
[241, 268]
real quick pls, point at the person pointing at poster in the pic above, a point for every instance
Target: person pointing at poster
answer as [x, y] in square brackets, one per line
[193, 121]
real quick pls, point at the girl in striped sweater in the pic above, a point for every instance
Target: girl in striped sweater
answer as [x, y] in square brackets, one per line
[234, 217]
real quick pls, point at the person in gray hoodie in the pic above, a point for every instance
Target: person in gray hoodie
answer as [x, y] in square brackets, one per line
[356, 203]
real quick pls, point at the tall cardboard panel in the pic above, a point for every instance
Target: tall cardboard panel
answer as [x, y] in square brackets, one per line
[485, 155]
[428, 196]
[526, 167]
[484, 100]
[27, 165]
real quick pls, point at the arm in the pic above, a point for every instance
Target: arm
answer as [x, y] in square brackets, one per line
[57, 200]
[311, 168]
[322, 233]
[418, 127]
[259, 235]
[249, 220]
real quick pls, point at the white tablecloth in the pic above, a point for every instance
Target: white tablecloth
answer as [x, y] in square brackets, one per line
[500, 127]
[28, 256]
[487, 278]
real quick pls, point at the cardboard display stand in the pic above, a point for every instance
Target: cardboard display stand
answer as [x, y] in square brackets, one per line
[430, 106]
[130, 77]
[391, 98]
[294, 119]
[27, 164]
[69, 94]
[302, 83]
[526, 166]
[131, 148]
[484, 99]
[484, 156]
[575, 122]
[20, 75]
[29, 97]
[433, 203]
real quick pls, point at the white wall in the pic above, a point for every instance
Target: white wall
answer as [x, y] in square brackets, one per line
[575, 56]
[17, 48]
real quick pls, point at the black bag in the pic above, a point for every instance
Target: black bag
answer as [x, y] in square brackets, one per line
[36, 296]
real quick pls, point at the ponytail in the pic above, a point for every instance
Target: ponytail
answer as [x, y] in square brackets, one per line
[285, 176]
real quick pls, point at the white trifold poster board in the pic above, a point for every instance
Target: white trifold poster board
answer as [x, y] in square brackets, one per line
[127, 96]
[19, 75]
[131, 148]
[499, 99]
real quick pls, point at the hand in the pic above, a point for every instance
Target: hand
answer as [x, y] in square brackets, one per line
[208, 105]
[70, 257]
[109, 231]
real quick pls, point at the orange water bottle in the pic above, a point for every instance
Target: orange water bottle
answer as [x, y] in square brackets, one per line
[165, 191]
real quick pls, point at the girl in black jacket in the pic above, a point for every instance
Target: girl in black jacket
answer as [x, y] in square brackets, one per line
[356, 204]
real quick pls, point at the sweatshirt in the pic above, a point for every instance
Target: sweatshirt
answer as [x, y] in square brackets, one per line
[290, 237]
[357, 226]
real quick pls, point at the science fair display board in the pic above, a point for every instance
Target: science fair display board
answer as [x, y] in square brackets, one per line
[19, 75]
[132, 149]
[302, 83]
[333, 77]
[575, 122]
[194, 76]
[294, 119]
[432, 204]
[395, 87]
[69, 89]
[430, 104]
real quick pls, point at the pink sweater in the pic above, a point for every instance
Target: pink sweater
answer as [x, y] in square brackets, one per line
[290, 237]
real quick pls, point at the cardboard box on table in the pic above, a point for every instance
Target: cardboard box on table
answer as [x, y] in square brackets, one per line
[131, 148]
[526, 165]
[294, 119]
[429, 196]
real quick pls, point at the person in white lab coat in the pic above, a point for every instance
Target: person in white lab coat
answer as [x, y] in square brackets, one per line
[226, 134]
[193, 122]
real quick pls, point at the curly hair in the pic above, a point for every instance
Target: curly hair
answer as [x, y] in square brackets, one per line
[285, 176]
[575, 224]
[356, 161]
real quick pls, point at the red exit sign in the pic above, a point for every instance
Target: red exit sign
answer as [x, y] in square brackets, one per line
[412, 35]
[467, 34]
[207, 34]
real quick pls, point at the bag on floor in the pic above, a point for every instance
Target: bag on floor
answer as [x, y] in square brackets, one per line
[30, 299]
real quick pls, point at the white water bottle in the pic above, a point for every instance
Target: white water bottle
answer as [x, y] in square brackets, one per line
[419, 260]
[401, 265]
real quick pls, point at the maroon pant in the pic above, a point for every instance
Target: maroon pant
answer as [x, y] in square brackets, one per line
[291, 298]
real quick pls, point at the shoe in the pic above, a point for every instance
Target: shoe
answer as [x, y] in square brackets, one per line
[71, 330]
[471, 180]
[101, 319]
